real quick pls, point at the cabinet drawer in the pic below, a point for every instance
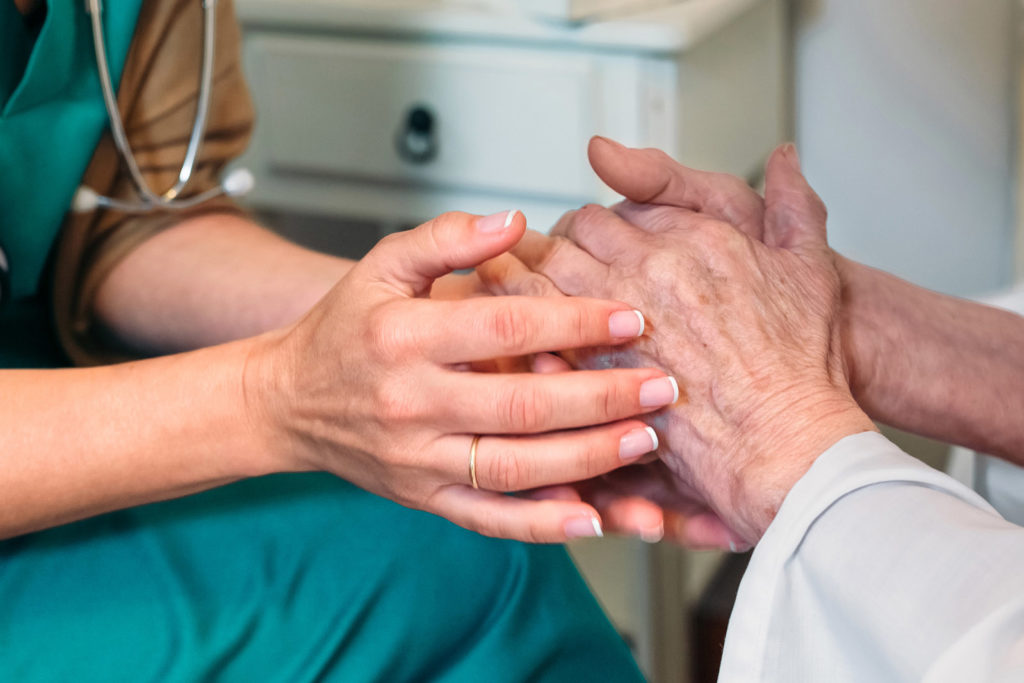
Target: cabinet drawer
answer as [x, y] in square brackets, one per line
[501, 119]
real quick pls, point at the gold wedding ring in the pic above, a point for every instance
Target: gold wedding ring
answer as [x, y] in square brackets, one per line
[472, 461]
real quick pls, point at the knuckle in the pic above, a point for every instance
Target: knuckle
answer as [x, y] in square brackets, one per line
[536, 285]
[559, 246]
[487, 528]
[505, 471]
[578, 323]
[442, 235]
[659, 156]
[805, 205]
[734, 184]
[712, 232]
[390, 242]
[500, 527]
[718, 237]
[387, 338]
[660, 270]
[665, 219]
[510, 326]
[612, 403]
[534, 535]
[564, 223]
[593, 459]
[524, 410]
[393, 404]
[446, 222]
[586, 223]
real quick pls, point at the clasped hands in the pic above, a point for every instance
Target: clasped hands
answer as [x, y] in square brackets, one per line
[696, 306]
[742, 296]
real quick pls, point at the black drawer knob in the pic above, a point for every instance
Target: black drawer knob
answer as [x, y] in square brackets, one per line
[416, 141]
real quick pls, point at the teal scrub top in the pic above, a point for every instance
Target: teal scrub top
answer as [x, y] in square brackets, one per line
[51, 118]
[284, 578]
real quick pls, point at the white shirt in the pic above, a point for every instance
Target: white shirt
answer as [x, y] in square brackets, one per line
[878, 568]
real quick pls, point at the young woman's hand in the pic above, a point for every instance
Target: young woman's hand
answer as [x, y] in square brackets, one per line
[376, 384]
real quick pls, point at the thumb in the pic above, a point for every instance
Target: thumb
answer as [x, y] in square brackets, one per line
[643, 176]
[649, 176]
[795, 216]
[412, 260]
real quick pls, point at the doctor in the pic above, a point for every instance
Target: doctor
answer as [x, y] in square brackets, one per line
[869, 565]
[304, 363]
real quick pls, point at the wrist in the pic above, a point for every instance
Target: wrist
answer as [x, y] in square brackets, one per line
[266, 378]
[782, 452]
[882, 320]
[868, 328]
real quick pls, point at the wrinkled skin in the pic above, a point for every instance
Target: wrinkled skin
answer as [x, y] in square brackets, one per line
[749, 329]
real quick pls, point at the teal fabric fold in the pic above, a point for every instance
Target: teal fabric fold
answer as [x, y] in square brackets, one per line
[16, 41]
[295, 578]
[49, 126]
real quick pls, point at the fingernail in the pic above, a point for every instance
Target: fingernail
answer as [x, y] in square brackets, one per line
[655, 393]
[653, 535]
[794, 156]
[637, 442]
[625, 324]
[496, 222]
[611, 142]
[584, 527]
[732, 547]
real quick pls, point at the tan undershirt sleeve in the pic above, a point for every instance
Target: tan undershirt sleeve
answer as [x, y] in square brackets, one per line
[157, 101]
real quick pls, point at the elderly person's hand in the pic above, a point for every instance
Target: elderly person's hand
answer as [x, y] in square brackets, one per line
[375, 385]
[651, 177]
[918, 360]
[748, 328]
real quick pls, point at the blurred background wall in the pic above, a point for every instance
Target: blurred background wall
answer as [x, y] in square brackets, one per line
[906, 113]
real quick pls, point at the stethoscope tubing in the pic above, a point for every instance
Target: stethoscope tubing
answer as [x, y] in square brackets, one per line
[148, 198]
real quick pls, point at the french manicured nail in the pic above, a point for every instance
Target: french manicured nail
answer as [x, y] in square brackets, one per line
[653, 535]
[624, 324]
[655, 393]
[637, 442]
[584, 527]
[496, 222]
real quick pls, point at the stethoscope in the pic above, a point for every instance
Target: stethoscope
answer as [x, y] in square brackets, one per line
[235, 183]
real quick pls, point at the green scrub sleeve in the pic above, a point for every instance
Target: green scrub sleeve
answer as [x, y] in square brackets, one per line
[157, 100]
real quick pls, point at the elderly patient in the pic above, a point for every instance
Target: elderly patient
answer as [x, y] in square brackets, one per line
[869, 565]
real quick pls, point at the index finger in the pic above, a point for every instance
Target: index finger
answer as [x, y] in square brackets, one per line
[480, 329]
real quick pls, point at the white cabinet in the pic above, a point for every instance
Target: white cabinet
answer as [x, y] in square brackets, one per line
[501, 106]
[501, 121]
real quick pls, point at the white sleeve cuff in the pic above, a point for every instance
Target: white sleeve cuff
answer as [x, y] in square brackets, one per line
[754, 641]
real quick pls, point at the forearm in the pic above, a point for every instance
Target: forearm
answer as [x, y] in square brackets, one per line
[935, 365]
[208, 280]
[76, 443]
